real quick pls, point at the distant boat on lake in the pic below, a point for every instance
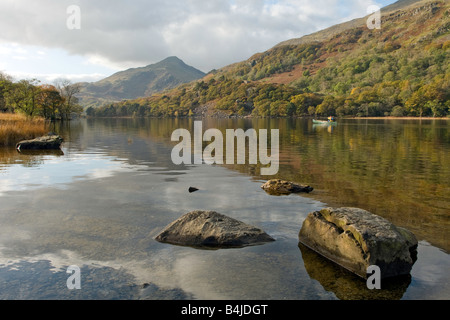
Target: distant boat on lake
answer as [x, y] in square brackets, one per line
[331, 120]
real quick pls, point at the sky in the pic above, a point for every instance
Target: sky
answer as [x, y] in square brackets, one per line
[88, 40]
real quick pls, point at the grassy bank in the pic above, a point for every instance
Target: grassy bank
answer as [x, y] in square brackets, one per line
[17, 127]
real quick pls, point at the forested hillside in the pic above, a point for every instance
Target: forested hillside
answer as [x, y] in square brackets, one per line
[402, 69]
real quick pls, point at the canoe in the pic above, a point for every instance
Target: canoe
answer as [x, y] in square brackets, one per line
[323, 122]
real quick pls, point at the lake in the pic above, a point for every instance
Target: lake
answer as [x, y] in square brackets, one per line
[100, 202]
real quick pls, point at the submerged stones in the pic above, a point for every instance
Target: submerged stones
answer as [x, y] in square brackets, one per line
[48, 142]
[282, 187]
[356, 239]
[209, 229]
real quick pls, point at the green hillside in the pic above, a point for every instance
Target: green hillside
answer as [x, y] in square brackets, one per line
[139, 82]
[402, 69]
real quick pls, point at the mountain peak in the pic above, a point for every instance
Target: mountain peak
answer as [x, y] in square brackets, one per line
[172, 59]
[140, 82]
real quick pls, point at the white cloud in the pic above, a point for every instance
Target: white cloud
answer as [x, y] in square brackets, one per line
[51, 77]
[206, 34]
[20, 58]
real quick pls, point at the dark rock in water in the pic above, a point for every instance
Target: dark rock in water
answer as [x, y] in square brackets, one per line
[52, 142]
[209, 229]
[282, 187]
[356, 239]
[192, 189]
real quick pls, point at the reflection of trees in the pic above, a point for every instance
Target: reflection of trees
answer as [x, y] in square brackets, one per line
[69, 130]
[27, 158]
[32, 158]
[403, 177]
[396, 169]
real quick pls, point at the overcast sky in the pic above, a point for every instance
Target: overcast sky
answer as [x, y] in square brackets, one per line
[45, 39]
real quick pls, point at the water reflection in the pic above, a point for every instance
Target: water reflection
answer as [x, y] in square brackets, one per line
[115, 188]
[44, 282]
[404, 163]
[346, 285]
[328, 127]
[52, 169]
[38, 153]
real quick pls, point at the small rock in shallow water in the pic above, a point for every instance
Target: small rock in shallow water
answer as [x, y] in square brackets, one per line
[209, 229]
[192, 189]
[282, 187]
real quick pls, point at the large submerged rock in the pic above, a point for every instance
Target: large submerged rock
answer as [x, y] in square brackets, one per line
[356, 239]
[48, 142]
[213, 230]
[282, 187]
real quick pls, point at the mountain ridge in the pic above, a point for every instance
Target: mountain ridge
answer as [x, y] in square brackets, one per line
[327, 33]
[138, 82]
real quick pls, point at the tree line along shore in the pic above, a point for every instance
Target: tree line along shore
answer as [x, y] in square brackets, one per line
[25, 105]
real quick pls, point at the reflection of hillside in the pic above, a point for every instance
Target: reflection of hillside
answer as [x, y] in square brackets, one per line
[402, 176]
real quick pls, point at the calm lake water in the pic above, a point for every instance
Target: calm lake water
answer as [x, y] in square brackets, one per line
[100, 203]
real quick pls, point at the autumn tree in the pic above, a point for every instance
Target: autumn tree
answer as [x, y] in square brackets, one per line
[327, 107]
[68, 91]
[23, 96]
[50, 101]
[304, 101]
[428, 97]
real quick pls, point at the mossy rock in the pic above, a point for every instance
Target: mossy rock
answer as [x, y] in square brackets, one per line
[356, 239]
